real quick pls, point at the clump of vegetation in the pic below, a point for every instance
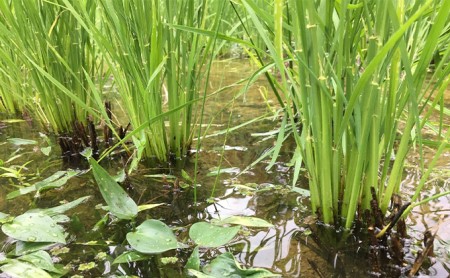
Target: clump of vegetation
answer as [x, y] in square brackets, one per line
[357, 79]
[48, 62]
[57, 69]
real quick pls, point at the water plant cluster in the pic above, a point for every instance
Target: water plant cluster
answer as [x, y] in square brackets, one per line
[357, 81]
[357, 84]
[61, 60]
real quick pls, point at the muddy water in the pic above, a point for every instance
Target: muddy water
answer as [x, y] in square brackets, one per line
[290, 249]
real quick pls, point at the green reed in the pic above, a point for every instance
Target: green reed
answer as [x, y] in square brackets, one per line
[156, 68]
[355, 76]
[47, 59]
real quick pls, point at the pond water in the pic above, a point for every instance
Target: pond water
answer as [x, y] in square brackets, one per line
[293, 247]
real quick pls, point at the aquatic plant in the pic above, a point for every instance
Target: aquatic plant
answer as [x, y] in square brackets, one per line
[155, 237]
[34, 232]
[159, 72]
[57, 66]
[356, 77]
[48, 61]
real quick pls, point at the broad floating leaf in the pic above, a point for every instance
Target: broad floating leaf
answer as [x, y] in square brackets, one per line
[46, 150]
[4, 218]
[56, 180]
[153, 237]
[15, 268]
[130, 256]
[23, 248]
[62, 208]
[215, 171]
[120, 176]
[301, 191]
[198, 274]
[120, 204]
[194, 260]
[34, 227]
[208, 235]
[87, 266]
[20, 141]
[247, 221]
[225, 265]
[42, 260]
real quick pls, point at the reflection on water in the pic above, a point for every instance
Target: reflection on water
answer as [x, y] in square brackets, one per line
[288, 248]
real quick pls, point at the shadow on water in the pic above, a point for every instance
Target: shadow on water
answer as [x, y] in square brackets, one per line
[294, 247]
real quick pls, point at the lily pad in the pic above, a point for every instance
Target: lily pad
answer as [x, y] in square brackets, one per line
[247, 221]
[153, 237]
[208, 235]
[34, 227]
[120, 204]
[225, 265]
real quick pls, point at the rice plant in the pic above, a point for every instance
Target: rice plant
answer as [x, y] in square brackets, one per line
[47, 62]
[156, 68]
[357, 78]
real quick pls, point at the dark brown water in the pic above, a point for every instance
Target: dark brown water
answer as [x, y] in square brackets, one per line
[288, 249]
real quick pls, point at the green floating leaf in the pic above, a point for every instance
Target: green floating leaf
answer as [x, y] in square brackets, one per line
[4, 218]
[194, 260]
[87, 266]
[54, 211]
[247, 221]
[169, 260]
[198, 274]
[153, 237]
[225, 265]
[120, 204]
[148, 206]
[120, 176]
[42, 260]
[208, 235]
[186, 176]
[46, 150]
[301, 191]
[15, 268]
[216, 171]
[56, 180]
[20, 141]
[23, 247]
[131, 256]
[34, 227]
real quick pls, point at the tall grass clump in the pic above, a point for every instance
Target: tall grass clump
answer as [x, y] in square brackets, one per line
[48, 61]
[156, 68]
[12, 82]
[356, 76]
